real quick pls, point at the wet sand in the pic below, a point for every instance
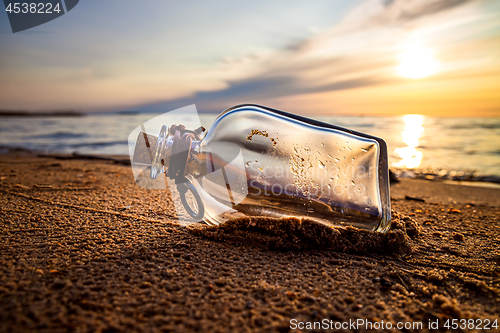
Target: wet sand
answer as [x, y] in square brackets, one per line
[83, 249]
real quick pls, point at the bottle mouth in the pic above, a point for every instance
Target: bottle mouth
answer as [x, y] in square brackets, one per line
[159, 159]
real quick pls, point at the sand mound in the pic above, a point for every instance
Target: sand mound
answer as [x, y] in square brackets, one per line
[299, 234]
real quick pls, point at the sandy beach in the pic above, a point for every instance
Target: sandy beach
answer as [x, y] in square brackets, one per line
[83, 249]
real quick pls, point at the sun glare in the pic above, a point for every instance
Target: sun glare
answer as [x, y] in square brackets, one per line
[417, 62]
[410, 156]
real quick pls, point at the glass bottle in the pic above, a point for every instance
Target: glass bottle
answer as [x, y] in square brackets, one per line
[257, 161]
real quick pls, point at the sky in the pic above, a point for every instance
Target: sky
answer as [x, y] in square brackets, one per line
[371, 57]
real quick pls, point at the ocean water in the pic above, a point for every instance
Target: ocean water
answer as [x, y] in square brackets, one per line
[445, 147]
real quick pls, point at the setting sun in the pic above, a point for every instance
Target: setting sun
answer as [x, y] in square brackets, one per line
[417, 62]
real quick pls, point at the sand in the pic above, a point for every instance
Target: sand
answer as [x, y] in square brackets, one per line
[83, 249]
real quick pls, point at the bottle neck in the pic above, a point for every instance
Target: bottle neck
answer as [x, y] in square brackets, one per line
[183, 154]
[173, 155]
[161, 156]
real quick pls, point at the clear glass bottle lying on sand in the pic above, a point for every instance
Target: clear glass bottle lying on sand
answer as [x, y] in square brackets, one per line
[257, 161]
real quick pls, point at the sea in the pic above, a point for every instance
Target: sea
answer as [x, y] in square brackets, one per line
[419, 146]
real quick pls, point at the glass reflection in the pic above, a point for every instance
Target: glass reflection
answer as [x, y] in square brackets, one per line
[410, 156]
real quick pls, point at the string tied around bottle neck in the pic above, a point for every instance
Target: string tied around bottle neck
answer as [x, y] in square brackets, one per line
[180, 150]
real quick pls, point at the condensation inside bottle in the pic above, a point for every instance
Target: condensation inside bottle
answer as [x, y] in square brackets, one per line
[255, 162]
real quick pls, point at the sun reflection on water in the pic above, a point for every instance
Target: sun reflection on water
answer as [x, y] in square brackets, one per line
[410, 156]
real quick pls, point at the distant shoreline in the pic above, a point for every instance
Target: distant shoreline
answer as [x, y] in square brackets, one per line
[467, 179]
[16, 113]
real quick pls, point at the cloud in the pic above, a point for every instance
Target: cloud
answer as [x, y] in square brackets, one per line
[383, 13]
[250, 56]
[360, 51]
[422, 8]
[255, 90]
